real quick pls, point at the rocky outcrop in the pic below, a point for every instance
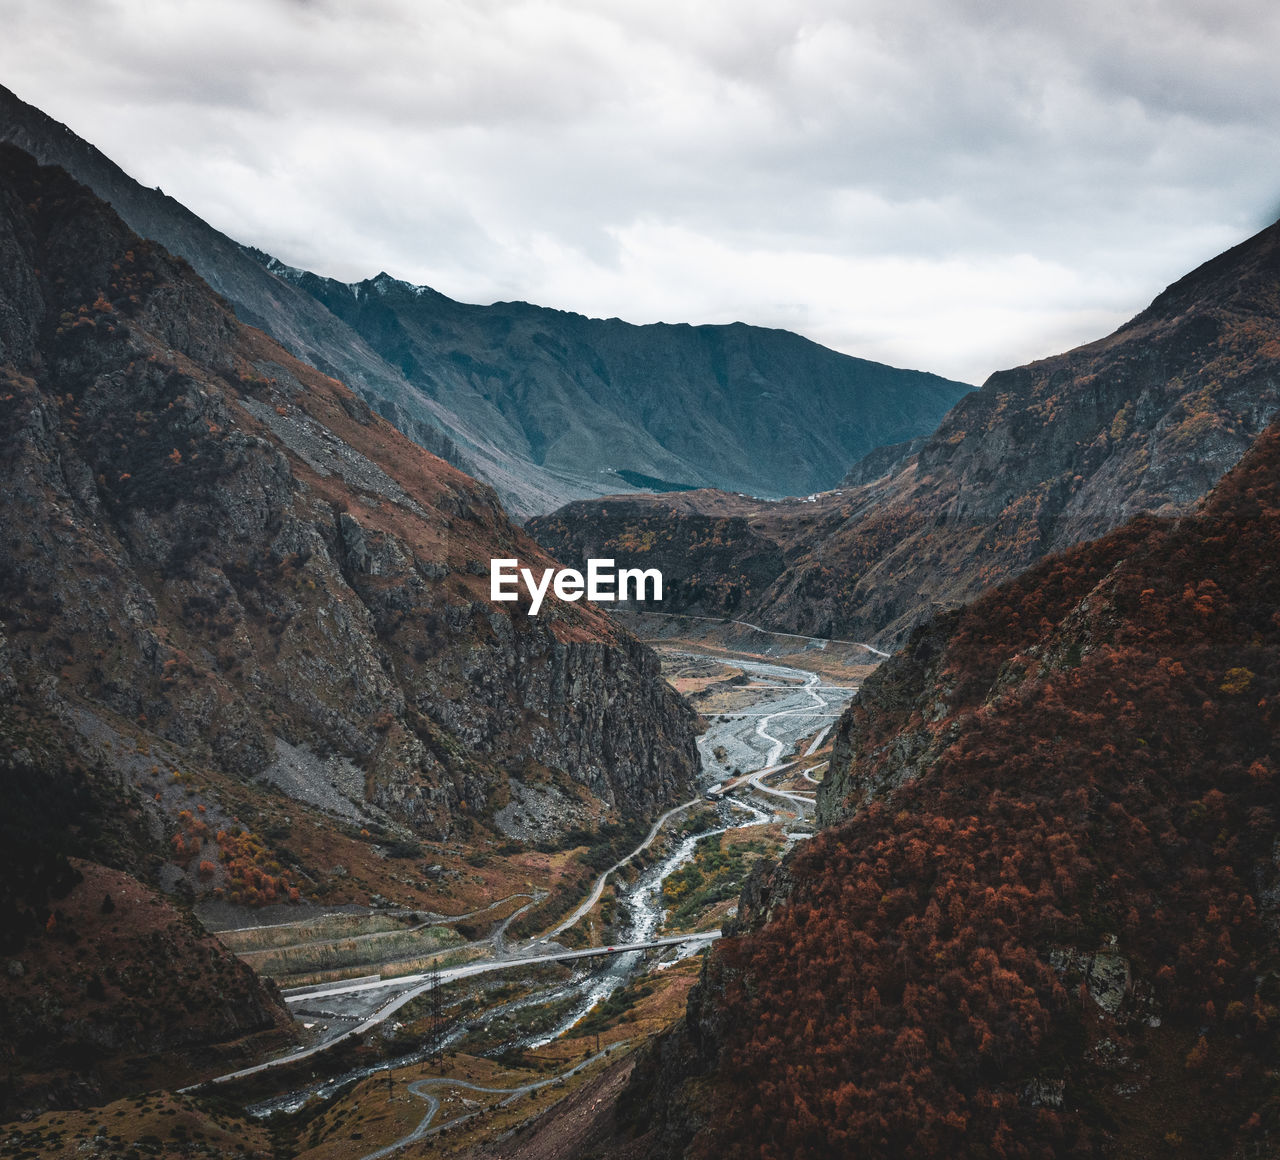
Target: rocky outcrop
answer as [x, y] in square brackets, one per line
[881, 461]
[215, 542]
[711, 564]
[121, 990]
[1042, 457]
[106, 986]
[890, 734]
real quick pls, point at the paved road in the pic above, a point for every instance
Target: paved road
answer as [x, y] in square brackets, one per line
[420, 984]
[808, 773]
[816, 742]
[485, 965]
[419, 1088]
[756, 781]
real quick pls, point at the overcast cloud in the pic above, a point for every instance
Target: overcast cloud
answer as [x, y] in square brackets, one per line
[955, 185]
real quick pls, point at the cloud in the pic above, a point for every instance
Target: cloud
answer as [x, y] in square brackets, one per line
[953, 184]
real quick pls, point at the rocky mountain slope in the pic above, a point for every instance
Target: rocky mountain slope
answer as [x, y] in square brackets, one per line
[295, 319]
[1042, 920]
[737, 407]
[105, 985]
[714, 555]
[212, 537]
[542, 404]
[260, 612]
[1040, 458]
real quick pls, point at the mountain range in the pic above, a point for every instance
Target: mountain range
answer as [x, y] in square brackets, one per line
[545, 405]
[1042, 457]
[249, 666]
[245, 631]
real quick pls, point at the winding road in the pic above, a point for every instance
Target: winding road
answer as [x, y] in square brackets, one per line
[808, 773]
[421, 983]
[419, 1088]
[768, 631]
[403, 990]
[813, 688]
[598, 889]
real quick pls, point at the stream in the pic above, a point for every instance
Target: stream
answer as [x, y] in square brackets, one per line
[788, 695]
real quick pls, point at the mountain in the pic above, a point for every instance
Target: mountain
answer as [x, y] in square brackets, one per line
[257, 555]
[1042, 457]
[246, 622]
[1042, 919]
[595, 403]
[107, 985]
[717, 556]
[545, 405]
[300, 324]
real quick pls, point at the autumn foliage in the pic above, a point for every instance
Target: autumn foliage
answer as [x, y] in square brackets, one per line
[254, 877]
[1102, 792]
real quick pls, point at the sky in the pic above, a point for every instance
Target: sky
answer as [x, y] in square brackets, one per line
[952, 185]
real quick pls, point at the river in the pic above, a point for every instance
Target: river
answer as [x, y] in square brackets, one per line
[777, 708]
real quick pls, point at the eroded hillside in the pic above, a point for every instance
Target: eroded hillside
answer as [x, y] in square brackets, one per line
[257, 617]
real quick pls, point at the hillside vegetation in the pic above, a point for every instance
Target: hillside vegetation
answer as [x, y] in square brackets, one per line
[1049, 927]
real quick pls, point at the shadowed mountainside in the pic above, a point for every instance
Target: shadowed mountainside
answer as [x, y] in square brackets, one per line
[247, 623]
[738, 407]
[256, 557]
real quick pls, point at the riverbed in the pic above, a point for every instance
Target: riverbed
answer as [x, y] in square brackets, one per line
[759, 717]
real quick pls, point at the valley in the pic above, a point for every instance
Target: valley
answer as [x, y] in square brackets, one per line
[534, 1000]
[933, 813]
[1040, 458]
[538, 1016]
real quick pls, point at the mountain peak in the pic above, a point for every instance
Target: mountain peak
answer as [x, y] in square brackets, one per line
[542, 403]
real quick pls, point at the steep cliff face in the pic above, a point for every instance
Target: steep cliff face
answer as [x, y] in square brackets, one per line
[1042, 457]
[892, 733]
[213, 542]
[1049, 925]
